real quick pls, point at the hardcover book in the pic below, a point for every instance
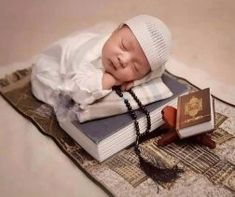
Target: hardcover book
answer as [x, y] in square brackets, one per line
[102, 138]
[195, 113]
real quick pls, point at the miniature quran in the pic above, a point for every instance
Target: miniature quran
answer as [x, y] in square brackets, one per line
[193, 117]
[195, 113]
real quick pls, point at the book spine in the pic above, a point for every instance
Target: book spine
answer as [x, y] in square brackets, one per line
[213, 108]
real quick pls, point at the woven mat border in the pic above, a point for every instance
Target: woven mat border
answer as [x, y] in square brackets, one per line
[19, 81]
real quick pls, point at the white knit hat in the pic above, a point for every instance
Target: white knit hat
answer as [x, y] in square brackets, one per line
[154, 37]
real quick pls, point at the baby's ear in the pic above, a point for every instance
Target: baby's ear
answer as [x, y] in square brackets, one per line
[127, 85]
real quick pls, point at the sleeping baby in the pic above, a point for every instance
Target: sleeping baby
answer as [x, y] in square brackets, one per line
[87, 65]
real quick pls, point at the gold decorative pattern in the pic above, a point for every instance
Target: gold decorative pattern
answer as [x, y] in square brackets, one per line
[193, 107]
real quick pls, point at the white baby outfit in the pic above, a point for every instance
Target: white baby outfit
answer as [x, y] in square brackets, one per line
[73, 67]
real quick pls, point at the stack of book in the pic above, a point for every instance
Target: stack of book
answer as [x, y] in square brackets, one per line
[104, 137]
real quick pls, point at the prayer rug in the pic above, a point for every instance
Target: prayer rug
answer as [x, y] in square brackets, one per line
[206, 172]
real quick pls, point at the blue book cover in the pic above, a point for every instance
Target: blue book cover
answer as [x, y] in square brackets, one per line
[100, 129]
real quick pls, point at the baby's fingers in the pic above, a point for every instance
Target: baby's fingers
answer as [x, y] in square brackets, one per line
[127, 85]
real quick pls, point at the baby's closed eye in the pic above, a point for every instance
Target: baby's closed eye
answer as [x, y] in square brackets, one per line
[135, 67]
[124, 45]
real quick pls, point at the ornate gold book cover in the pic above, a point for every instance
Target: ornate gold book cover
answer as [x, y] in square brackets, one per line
[193, 108]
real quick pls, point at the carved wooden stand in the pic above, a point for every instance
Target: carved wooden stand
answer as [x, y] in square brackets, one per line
[169, 116]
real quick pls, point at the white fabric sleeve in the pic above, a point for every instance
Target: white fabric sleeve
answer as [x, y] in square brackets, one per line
[152, 75]
[56, 71]
[45, 79]
[85, 86]
[46, 74]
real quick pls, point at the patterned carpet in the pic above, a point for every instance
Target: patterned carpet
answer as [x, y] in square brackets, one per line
[206, 172]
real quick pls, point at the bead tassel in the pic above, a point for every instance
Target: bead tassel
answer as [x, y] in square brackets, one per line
[156, 173]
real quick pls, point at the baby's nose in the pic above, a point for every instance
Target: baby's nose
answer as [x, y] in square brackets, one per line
[125, 60]
[121, 62]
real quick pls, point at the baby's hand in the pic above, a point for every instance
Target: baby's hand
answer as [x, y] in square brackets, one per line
[108, 81]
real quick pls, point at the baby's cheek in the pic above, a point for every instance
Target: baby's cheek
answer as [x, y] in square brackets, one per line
[127, 75]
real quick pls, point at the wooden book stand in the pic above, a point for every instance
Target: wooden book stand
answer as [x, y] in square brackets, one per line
[169, 116]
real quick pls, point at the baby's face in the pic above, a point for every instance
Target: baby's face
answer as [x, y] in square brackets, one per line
[123, 57]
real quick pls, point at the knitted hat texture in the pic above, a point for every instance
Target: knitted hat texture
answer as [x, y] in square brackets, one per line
[154, 38]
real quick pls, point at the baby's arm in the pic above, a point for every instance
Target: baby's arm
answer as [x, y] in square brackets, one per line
[109, 81]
